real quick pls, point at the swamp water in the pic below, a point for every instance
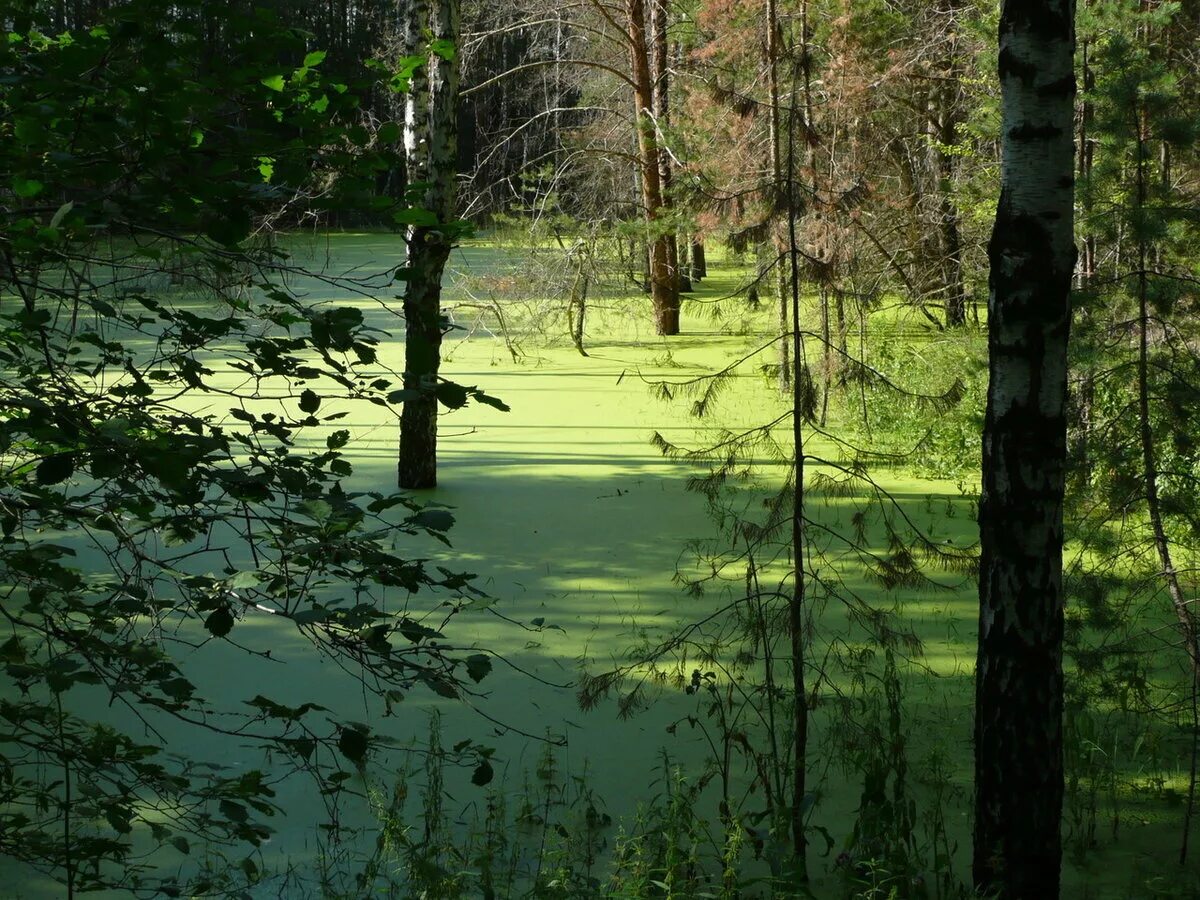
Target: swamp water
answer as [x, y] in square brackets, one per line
[576, 525]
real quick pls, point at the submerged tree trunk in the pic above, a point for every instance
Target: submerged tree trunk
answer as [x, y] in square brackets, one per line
[1019, 680]
[699, 264]
[577, 305]
[430, 143]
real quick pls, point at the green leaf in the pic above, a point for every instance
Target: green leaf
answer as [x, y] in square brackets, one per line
[178, 689]
[388, 133]
[56, 468]
[451, 395]
[422, 218]
[12, 651]
[220, 622]
[317, 510]
[310, 616]
[243, 580]
[27, 187]
[483, 774]
[478, 666]
[120, 819]
[442, 687]
[402, 395]
[353, 744]
[235, 812]
[434, 519]
[61, 213]
[444, 48]
[230, 226]
[181, 844]
[275, 82]
[494, 402]
[314, 59]
[309, 401]
[338, 440]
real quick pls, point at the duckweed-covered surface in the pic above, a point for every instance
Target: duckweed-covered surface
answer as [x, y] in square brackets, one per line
[576, 525]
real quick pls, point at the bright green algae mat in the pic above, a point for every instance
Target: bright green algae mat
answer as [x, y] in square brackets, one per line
[576, 524]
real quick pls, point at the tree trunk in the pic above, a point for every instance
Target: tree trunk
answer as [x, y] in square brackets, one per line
[685, 264]
[663, 296]
[826, 354]
[776, 191]
[577, 306]
[1019, 680]
[946, 126]
[1085, 402]
[430, 142]
[660, 78]
[797, 601]
[699, 264]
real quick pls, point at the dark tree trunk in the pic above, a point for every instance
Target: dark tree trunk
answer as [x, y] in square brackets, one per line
[699, 266]
[797, 601]
[1019, 680]
[685, 265]
[577, 307]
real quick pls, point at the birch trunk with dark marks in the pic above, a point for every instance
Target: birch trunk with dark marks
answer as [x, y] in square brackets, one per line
[664, 298]
[1019, 680]
[431, 145]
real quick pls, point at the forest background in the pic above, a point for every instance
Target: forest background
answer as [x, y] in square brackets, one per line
[859, 233]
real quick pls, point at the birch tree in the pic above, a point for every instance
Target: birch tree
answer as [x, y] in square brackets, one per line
[1019, 681]
[430, 146]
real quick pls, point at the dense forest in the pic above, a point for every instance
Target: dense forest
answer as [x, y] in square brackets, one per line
[601, 449]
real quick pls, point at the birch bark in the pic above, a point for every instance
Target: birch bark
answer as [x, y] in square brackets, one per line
[1019, 681]
[431, 151]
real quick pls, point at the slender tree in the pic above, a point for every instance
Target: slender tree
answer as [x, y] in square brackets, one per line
[1019, 681]
[430, 144]
[663, 285]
